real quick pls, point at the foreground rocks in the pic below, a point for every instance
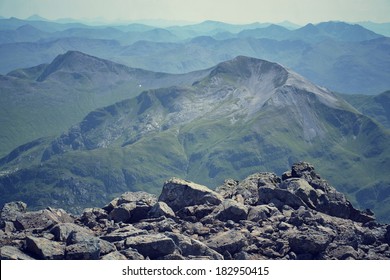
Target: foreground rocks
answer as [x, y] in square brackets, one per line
[297, 216]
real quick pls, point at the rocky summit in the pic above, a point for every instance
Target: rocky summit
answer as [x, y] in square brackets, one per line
[295, 216]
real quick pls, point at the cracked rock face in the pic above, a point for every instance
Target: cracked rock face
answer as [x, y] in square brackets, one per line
[297, 216]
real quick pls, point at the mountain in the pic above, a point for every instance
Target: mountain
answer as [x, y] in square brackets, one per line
[246, 115]
[340, 31]
[24, 33]
[342, 57]
[47, 99]
[375, 106]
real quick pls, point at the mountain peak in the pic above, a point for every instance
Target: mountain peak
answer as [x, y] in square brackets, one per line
[245, 67]
[75, 62]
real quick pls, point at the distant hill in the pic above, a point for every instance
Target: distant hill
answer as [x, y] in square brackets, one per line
[375, 106]
[243, 116]
[47, 99]
[342, 57]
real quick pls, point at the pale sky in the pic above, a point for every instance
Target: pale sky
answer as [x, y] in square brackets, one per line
[233, 11]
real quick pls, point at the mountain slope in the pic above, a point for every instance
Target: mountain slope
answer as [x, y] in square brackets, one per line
[377, 106]
[245, 115]
[47, 99]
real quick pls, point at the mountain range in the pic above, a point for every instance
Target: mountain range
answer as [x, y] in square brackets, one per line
[238, 117]
[346, 58]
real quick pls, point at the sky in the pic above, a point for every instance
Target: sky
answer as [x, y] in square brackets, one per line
[232, 11]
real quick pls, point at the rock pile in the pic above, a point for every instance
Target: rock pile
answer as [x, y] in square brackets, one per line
[297, 216]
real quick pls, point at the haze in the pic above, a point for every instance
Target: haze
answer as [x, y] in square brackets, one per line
[233, 11]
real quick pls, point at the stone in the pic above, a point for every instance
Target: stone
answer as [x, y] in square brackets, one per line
[151, 245]
[132, 254]
[11, 211]
[62, 231]
[279, 197]
[123, 233]
[141, 197]
[13, 253]
[247, 190]
[83, 251]
[261, 212]
[191, 248]
[44, 249]
[178, 193]
[94, 217]
[344, 252]
[161, 209]
[114, 256]
[230, 209]
[42, 219]
[308, 242]
[122, 213]
[231, 241]
[131, 207]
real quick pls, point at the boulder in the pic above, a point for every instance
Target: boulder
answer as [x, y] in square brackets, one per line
[44, 249]
[123, 233]
[178, 193]
[231, 241]
[344, 252]
[131, 207]
[114, 256]
[308, 241]
[191, 248]
[94, 217]
[83, 251]
[142, 197]
[42, 219]
[151, 245]
[62, 231]
[11, 211]
[13, 253]
[132, 254]
[161, 209]
[279, 197]
[261, 212]
[230, 209]
[248, 188]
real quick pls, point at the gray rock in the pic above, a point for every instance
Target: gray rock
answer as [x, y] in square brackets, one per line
[122, 213]
[261, 212]
[94, 217]
[279, 197]
[62, 231]
[231, 241]
[11, 211]
[42, 219]
[248, 188]
[83, 251]
[308, 242]
[230, 209]
[344, 252]
[114, 256]
[123, 233]
[44, 248]
[161, 209]
[178, 193]
[143, 197]
[191, 248]
[13, 253]
[131, 207]
[132, 254]
[152, 246]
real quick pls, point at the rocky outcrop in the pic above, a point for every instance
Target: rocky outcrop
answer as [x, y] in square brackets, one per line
[297, 216]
